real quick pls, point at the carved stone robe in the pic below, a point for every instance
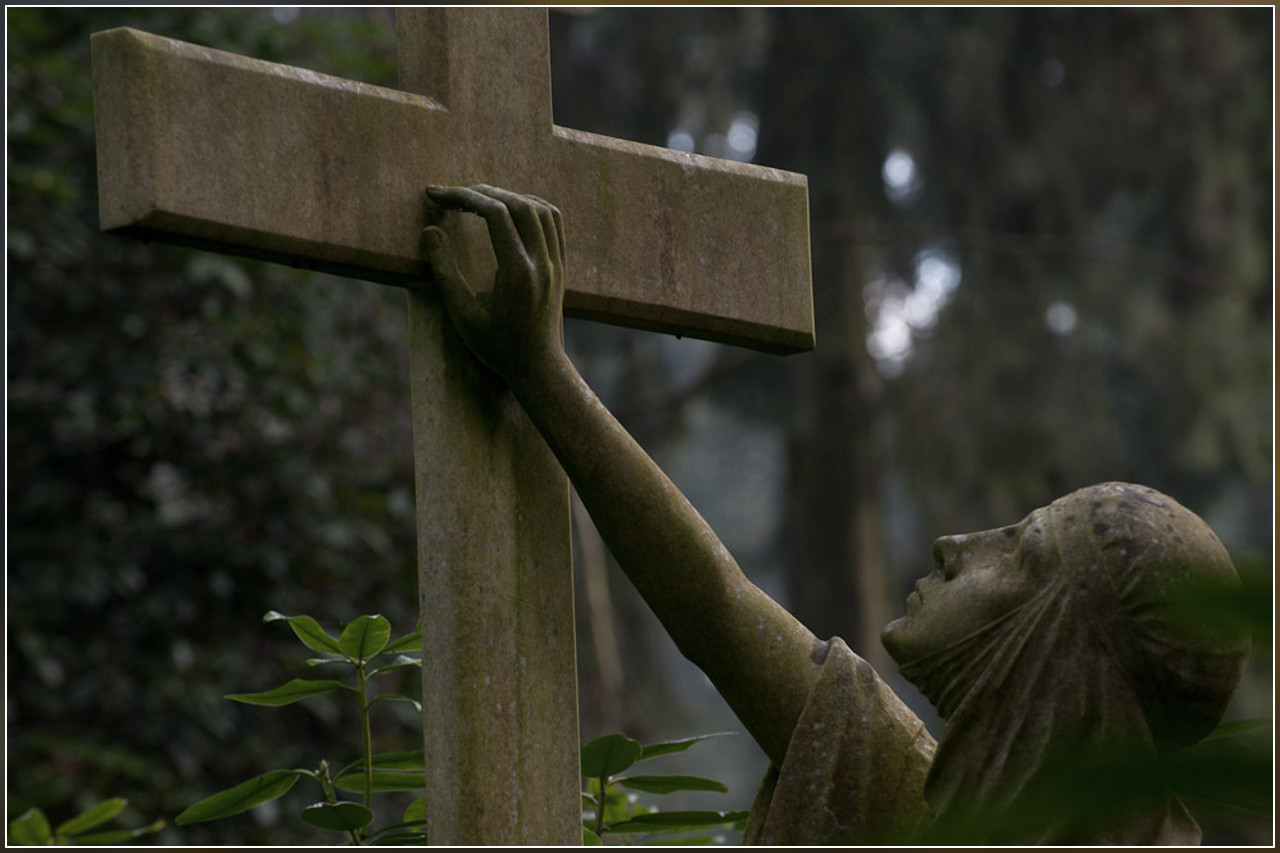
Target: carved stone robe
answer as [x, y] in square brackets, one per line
[855, 769]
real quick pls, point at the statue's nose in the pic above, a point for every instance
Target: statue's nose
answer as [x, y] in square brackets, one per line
[946, 554]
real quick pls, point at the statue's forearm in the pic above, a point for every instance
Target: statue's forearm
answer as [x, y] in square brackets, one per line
[761, 659]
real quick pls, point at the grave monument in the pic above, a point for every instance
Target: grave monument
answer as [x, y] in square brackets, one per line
[225, 153]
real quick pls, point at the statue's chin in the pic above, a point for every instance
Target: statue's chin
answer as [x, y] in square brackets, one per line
[890, 636]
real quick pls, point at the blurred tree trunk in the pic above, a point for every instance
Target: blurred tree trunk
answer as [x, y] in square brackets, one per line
[832, 533]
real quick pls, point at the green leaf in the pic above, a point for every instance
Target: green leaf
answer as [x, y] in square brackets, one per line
[398, 662]
[383, 780]
[339, 817]
[1235, 728]
[617, 807]
[407, 642]
[287, 694]
[116, 836]
[669, 747]
[414, 760]
[399, 839]
[396, 697]
[416, 811]
[89, 818]
[590, 839]
[667, 784]
[365, 637]
[30, 829]
[1231, 770]
[320, 661]
[677, 821]
[308, 631]
[690, 841]
[410, 825]
[609, 754]
[410, 832]
[242, 797]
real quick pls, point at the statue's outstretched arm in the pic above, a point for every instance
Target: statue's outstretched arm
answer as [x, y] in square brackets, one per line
[761, 659]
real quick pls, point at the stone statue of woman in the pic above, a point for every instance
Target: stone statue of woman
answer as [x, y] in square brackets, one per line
[1060, 650]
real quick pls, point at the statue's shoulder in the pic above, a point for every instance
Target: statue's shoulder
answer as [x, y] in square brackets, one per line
[851, 689]
[856, 766]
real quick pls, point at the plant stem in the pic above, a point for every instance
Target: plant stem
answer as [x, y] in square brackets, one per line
[331, 795]
[603, 798]
[366, 734]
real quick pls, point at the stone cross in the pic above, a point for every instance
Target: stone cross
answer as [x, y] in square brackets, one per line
[221, 152]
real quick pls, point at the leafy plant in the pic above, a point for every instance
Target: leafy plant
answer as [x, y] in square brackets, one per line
[364, 640]
[608, 810]
[32, 827]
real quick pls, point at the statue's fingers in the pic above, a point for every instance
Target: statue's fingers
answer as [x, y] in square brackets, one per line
[558, 223]
[552, 225]
[502, 227]
[526, 214]
[550, 233]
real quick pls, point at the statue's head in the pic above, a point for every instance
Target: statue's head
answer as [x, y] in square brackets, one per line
[1100, 623]
[1146, 577]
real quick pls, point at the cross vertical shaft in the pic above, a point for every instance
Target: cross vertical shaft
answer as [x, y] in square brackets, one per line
[494, 554]
[499, 677]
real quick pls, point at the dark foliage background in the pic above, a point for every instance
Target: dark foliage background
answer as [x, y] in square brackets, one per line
[1042, 258]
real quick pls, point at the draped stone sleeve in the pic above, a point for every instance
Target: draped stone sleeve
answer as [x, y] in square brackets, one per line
[855, 769]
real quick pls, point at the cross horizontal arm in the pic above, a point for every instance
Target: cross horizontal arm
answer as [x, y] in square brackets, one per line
[709, 248]
[222, 152]
[212, 150]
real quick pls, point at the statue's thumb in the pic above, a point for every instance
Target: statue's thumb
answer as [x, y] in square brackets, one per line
[457, 294]
[438, 249]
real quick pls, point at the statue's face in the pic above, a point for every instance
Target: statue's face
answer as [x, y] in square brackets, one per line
[977, 578]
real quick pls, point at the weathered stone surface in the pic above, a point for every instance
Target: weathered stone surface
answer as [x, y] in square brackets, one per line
[499, 682]
[224, 152]
[499, 677]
